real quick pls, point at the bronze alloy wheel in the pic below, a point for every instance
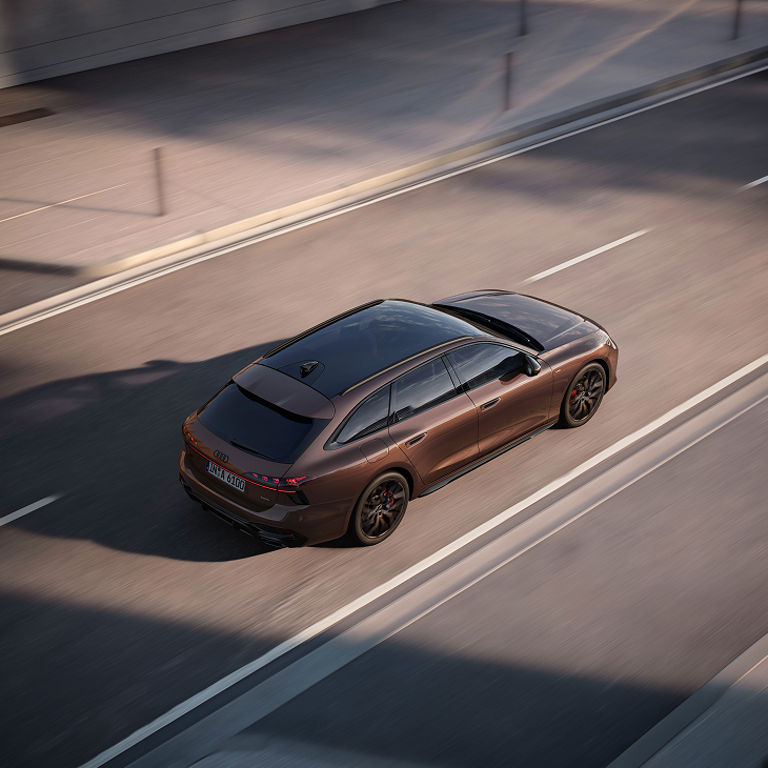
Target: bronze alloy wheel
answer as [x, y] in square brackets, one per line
[584, 395]
[380, 509]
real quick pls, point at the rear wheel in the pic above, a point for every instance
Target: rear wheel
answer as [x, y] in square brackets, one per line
[380, 509]
[583, 396]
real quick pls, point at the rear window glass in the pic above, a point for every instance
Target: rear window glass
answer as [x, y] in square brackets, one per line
[370, 416]
[422, 388]
[254, 425]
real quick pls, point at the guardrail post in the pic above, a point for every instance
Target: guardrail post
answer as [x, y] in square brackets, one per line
[523, 28]
[508, 81]
[736, 20]
[157, 157]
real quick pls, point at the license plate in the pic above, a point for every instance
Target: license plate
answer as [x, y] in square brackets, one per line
[224, 476]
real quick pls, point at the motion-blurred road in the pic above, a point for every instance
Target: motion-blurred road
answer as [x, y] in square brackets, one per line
[121, 598]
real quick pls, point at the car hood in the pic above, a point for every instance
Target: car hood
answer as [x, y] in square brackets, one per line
[549, 324]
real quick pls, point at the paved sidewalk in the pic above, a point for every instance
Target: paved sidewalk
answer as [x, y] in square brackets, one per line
[254, 124]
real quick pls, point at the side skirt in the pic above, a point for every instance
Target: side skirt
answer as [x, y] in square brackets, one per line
[489, 457]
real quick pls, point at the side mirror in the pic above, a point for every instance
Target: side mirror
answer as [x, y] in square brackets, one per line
[532, 365]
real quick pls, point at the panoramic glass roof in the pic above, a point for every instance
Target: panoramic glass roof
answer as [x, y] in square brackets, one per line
[365, 342]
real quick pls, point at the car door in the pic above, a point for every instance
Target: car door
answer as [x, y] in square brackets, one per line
[432, 422]
[510, 402]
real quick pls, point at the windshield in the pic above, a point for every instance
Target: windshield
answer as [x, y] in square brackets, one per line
[500, 326]
[256, 426]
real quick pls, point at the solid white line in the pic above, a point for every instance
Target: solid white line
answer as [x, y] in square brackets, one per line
[755, 183]
[62, 202]
[10, 326]
[585, 256]
[377, 592]
[26, 510]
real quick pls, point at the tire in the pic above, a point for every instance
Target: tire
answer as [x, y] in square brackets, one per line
[583, 396]
[379, 510]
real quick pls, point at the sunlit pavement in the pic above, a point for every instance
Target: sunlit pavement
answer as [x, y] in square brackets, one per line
[121, 599]
[249, 125]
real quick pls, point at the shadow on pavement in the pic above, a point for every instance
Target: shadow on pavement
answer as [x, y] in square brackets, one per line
[115, 672]
[108, 443]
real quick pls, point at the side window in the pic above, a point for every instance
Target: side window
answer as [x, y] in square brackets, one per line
[417, 390]
[370, 416]
[477, 364]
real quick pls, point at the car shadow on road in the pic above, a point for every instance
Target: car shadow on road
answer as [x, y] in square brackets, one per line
[108, 443]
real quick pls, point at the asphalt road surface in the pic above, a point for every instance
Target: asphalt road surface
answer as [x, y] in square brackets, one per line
[121, 598]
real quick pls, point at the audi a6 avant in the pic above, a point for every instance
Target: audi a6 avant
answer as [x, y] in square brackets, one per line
[337, 429]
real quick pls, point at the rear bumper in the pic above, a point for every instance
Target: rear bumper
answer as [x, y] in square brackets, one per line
[280, 525]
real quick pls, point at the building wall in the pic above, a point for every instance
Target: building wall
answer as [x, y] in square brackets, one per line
[45, 38]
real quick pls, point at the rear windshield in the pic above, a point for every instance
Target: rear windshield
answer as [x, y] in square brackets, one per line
[255, 425]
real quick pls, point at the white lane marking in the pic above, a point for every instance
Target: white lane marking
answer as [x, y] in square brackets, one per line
[62, 202]
[377, 592]
[588, 255]
[249, 750]
[26, 510]
[755, 183]
[7, 325]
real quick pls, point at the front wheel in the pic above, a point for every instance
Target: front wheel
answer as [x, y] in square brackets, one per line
[380, 509]
[583, 396]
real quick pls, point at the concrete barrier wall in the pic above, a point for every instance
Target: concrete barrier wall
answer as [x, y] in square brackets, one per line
[45, 38]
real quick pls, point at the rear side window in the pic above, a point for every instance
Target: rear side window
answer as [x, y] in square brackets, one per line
[477, 364]
[257, 426]
[370, 416]
[422, 388]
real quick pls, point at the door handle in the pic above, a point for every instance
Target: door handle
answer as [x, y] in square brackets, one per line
[490, 404]
[415, 440]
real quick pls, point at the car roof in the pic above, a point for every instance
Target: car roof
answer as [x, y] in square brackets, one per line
[355, 346]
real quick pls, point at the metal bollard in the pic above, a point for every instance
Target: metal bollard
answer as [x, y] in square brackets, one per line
[736, 20]
[508, 81]
[523, 28]
[158, 162]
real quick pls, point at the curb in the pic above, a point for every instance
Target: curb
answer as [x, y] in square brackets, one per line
[694, 709]
[359, 191]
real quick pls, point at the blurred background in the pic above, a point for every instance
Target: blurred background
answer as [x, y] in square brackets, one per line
[185, 184]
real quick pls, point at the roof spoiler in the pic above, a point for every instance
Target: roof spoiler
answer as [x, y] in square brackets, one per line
[284, 392]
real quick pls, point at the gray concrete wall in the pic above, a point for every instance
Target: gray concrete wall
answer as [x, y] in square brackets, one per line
[45, 38]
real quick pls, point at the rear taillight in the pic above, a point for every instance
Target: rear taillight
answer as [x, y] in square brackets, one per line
[282, 484]
[188, 436]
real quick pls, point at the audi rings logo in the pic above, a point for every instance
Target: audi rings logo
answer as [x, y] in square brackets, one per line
[221, 455]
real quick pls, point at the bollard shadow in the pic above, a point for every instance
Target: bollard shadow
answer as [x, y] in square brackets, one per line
[36, 205]
[108, 444]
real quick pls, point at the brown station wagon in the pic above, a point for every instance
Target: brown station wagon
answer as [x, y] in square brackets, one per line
[336, 430]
